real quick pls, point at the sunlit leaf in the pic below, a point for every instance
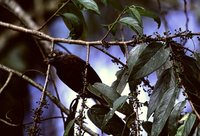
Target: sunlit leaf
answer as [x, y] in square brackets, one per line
[133, 24]
[145, 59]
[133, 12]
[189, 120]
[174, 118]
[90, 5]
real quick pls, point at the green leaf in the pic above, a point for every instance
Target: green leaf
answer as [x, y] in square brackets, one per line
[74, 20]
[115, 125]
[174, 118]
[133, 24]
[189, 120]
[68, 128]
[133, 12]
[150, 14]
[74, 24]
[197, 131]
[110, 95]
[90, 5]
[120, 83]
[145, 59]
[116, 105]
[163, 110]
[105, 92]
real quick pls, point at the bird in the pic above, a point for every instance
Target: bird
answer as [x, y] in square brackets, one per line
[70, 70]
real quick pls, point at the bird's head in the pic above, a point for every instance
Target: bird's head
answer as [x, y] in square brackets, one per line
[54, 57]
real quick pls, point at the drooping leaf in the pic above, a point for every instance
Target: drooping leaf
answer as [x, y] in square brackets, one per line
[191, 79]
[90, 5]
[145, 59]
[174, 118]
[74, 20]
[120, 83]
[133, 24]
[144, 12]
[69, 127]
[197, 131]
[110, 95]
[133, 12]
[163, 110]
[116, 105]
[189, 120]
[74, 24]
[69, 123]
[115, 125]
[104, 91]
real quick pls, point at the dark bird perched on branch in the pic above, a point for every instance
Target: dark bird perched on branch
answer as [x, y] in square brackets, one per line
[70, 69]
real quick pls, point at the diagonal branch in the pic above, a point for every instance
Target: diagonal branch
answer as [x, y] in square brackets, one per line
[51, 97]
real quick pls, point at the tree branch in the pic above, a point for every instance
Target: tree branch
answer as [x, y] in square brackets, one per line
[51, 97]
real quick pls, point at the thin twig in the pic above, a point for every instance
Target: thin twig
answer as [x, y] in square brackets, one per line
[58, 97]
[51, 97]
[113, 24]
[8, 123]
[44, 36]
[113, 57]
[192, 106]
[83, 105]
[186, 15]
[6, 83]
[49, 19]
[45, 119]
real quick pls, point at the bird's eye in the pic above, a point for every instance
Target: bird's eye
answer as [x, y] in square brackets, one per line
[53, 54]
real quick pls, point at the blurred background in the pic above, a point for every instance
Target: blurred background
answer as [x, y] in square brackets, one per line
[20, 52]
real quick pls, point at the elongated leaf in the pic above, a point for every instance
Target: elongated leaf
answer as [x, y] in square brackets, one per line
[115, 125]
[163, 84]
[197, 131]
[74, 20]
[163, 111]
[133, 24]
[104, 91]
[120, 83]
[133, 12]
[110, 96]
[189, 120]
[116, 105]
[69, 127]
[90, 5]
[144, 59]
[144, 12]
[174, 118]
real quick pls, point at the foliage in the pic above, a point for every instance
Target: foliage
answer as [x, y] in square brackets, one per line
[177, 68]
